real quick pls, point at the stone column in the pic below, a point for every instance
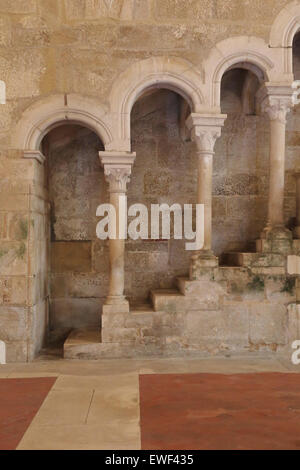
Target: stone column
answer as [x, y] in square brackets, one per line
[205, 130]
[117, 170]
[297, 228]
[276, 103]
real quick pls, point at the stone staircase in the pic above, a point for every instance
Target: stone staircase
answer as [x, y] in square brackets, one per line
[237, 306]
[254, 260]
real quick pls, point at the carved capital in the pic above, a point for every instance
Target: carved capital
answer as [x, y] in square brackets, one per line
[117, 169]
[117, 178]
[277, 100]
[277, 108]
[205, 130]
[205, 139]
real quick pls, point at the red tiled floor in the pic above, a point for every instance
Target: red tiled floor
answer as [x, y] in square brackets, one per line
[214, 411]
[20, 400]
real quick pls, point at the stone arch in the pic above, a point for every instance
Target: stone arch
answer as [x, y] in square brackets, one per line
[246, 52]
[157, 72]
[51, 112]
[284, 28]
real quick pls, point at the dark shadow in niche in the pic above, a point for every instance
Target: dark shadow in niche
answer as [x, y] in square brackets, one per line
[77, 260]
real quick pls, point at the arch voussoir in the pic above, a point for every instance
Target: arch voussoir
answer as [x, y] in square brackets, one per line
[51, 112]
[157, 72]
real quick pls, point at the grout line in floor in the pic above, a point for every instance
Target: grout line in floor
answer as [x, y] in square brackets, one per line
[88, 412]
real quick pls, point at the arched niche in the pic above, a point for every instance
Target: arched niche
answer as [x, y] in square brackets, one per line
[172, 73]
[283, 31]
[48, 113]
[245, 52]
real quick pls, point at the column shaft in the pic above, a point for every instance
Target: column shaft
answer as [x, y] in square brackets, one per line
[117, 170]
[297, 228]
[276, 101]
[205, 169]
[205, 130]
[116, 257]
[277, 170]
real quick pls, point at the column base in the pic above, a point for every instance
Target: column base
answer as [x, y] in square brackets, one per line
[202, 263]
[275, 240]
[277, 232]
[115, 304]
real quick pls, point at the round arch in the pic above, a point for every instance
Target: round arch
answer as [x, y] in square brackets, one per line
[157, 72]
[45, 115]
[284, 28]
[246, 52]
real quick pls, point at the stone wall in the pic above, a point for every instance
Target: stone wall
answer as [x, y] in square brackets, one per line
[226, 311]
[65, 47]
[164, 172]
[81, 46]
[79, 262]
[24, 260]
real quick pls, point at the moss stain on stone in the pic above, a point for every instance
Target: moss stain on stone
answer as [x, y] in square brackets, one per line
[236, 289]
[257, 284]
[23, 225]
[21, 250]
[289, 285]
[2, 252]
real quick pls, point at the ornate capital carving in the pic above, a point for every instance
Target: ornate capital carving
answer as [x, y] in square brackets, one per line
[117, 169]
[205, 130]
[277, 108]
[117, 178]
[205, 139]
[277, 100]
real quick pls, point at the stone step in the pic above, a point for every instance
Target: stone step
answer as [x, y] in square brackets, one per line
[255, 260]
[228, 273]
[167, 300]
[238, 259]
[144, 308]
[182, 283]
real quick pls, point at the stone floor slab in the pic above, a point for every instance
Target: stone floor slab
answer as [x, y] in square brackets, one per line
[64, 408]
[20, 400]
[223, 412]
[82, 437]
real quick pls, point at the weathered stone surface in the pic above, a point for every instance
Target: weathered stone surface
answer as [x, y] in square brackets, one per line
[39, 330]
[83, 47]
[19, 6]
[293, 324]
[71, 257]
[13, 323]
[167, 301]
[75, 313]
[268, 324]
[16, 351]
[13, 290]
[223, 330]
[120, 335]
[13, 259]
[280, 289]
[247, 288]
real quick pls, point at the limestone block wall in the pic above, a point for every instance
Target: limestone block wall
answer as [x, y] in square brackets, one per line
[164, 172]
[78, 260]
[238, 310]
[23, 256]
[81, 46]
[38, 262]
[71, 53]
